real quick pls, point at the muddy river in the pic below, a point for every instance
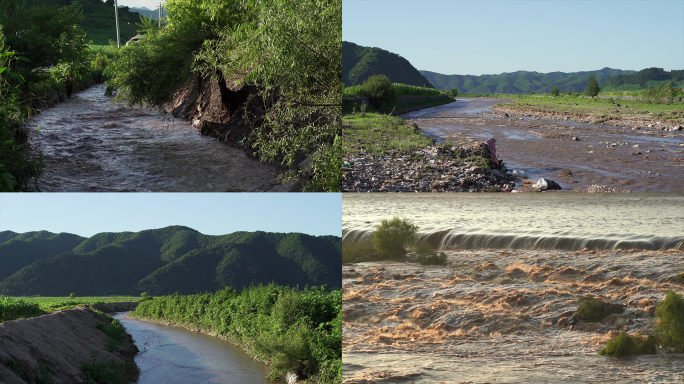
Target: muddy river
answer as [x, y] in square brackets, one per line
[176, 355]
[499, 310]
[91, 145]
[544, 148]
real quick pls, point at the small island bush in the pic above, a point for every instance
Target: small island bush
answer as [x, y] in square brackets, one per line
[593, 309]
[393, 237]
[670, 313]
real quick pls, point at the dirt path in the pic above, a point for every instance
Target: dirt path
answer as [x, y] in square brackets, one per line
[54, 346]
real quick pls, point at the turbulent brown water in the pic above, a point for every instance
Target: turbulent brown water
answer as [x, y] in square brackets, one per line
[176, 355]
[543, 148]
[498, 313]
[90, 145]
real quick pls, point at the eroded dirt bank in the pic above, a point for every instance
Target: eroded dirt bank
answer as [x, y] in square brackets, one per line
[505, 317]
[54, 346]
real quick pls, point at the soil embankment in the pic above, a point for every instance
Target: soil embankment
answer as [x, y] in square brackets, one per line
[54, 346]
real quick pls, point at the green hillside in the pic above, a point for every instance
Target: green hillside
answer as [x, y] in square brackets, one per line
[520, 81]
[164, 261]
[359, 63]
[99, 23]
[644, 79]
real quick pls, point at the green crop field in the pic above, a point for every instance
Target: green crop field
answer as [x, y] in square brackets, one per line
[12, 308]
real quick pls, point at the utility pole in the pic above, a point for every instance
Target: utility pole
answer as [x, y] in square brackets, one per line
[116, 15]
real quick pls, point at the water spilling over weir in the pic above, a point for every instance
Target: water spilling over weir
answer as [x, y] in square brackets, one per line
[530, 221]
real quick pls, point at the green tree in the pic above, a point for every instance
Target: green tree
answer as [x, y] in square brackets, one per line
[592, 87]
[392, 237]
[454, 92]
[379, 90]
[555, 91]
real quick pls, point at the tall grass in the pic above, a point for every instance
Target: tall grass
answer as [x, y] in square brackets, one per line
[401, 90]
[293, 330]
[11, 309]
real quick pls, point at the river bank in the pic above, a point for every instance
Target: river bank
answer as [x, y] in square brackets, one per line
[53, 348]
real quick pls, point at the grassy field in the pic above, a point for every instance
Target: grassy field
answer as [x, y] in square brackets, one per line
[402, 90]
[377, 133]
[12, 308]
[596, 107]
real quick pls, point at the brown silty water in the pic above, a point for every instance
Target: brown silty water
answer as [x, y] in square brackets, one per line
[500, 310]
[543, 148]
[89, 144]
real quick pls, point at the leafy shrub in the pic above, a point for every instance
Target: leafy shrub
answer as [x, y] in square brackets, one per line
[555, 91]
[72, 295]
[379, 90]
[625, 345]
[454, 92]
[144, 294]
[662, 94]
[392, 237]
[428, 256]
[593, 309]
[670, 331]
[11, 309]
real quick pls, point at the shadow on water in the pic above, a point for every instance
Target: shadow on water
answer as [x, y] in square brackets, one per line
[176, 355]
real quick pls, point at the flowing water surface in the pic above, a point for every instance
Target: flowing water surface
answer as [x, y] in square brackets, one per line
[501, 309]
[89, 144]
[176, 355]
[543, 148]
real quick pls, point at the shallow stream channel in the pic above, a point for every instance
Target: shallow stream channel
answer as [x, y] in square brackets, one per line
[603, 155]
[91, 145]
[177, 355]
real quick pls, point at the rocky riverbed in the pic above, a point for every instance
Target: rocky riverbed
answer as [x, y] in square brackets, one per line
[633, 122]
[436, 168]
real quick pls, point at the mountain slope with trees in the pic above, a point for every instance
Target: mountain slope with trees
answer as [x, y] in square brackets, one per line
[520, 81]
[359, 63]
[164, 261]
[646, 78]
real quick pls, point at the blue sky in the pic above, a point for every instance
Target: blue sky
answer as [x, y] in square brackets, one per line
[86, 214]
[468, 37]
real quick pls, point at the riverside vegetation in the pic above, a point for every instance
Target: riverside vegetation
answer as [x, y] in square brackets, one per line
[288, 51]
[295, 115]
[43, 58]
[295, 331]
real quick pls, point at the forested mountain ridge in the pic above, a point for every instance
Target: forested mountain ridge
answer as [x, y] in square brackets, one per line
[521, 81]
[163, 261]
[359, 63]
